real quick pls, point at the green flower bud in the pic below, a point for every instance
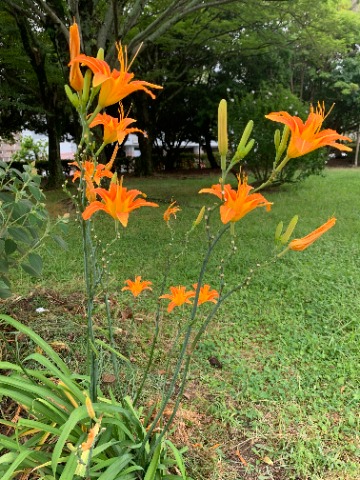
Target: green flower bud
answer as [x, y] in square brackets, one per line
[74, 99]
[278, 231]
[292, 224]
[222, 128]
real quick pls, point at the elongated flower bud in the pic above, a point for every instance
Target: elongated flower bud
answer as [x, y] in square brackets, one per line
[200, 216]
[245, 136]
[222, 128]
[76, 78]
[292, 224]
[277, 139]
[101, 54]
[278, 231]
[89, 407]
[72, 96]
[284, 140]
[86, 86]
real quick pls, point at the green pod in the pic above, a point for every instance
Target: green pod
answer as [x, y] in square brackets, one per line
[86, 87]
[277, 139]
[278, 231]
[246, 134]
[292, 224]
[74, 99]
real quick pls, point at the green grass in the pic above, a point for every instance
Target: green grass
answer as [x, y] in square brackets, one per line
[287, 397]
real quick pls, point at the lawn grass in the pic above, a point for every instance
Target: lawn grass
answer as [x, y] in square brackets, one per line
[285, 404]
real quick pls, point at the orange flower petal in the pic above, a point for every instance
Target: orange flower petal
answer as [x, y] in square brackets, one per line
[300, 244]
[307, 137]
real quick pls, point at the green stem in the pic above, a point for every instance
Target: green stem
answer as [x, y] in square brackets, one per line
[89, 272]
[185, 343]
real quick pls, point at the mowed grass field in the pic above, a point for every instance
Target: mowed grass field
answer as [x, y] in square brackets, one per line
[274, 388]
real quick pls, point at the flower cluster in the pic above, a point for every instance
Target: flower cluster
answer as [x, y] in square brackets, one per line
[178, 296]
[114, 86]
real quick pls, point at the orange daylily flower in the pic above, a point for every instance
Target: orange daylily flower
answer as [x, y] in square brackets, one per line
[76, 78]
[238, 203]
[114, 129]
[206, 294]
[307, 137]
[178, 297]
[171, 210]
[300, 244]
[115, 84]
[138, 286]
[92, 174]
[117, 202]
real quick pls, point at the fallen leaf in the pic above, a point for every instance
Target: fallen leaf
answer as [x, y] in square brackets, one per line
[108, 378]
[268, 461]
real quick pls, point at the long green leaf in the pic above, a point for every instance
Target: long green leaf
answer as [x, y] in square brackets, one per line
[24, 422]
[65, 378]
[151, 471]
[178, 458]
[38, 340]
[115, 468]
[18, 461]
[75, 417]
[70, 467]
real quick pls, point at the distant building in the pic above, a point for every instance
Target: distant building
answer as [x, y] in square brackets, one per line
[7, 150]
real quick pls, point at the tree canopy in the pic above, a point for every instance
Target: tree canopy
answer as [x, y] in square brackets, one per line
[199, 50]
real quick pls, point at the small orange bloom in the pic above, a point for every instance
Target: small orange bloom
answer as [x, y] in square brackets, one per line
[115, 84]
[171, 210]
[238, 203]
[300, 244]
[114, 129]
[206, 294]
[92, 174]
[178, 297]
[138, 286]
[76, 78]
[117, 202]
[306, 137]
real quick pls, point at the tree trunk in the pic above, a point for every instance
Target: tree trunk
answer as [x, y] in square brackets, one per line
[56, 175]
[356, 163]
[209, 152]
[143, 164]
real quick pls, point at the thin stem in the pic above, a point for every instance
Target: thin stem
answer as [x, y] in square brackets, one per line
[186, 339]
[89, 272]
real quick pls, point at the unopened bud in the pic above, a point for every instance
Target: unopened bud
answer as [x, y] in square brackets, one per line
[277, 139]
[222, 128]
[101, 54]
[292, 224]
[74, 99]
[89, 407]
[278, 231]
[200, 216]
